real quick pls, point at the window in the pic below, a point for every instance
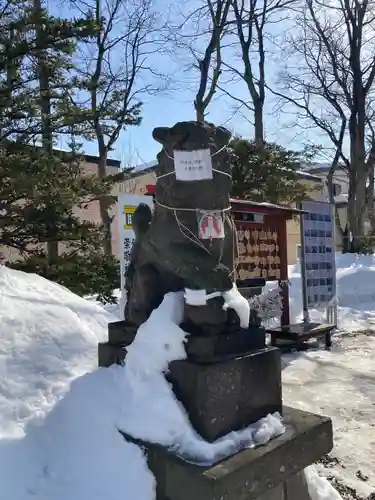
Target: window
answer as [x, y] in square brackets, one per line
[337, 189]
[298, 253]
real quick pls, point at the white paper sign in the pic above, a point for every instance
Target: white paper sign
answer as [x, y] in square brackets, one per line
[127, 203]
[210, 225]
[193, 165]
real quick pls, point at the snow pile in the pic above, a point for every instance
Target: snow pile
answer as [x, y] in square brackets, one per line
[48, 338]
[76, 451]
[59, 436]
[319, 487]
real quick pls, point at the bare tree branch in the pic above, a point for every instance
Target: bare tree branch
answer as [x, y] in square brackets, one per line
[201, 34]
[251, 19]
[331, 86]
[116, 73]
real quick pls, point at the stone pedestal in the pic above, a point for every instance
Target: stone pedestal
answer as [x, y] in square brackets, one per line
[225, 385]
[227, 382]
[270, 472]
[230, 393]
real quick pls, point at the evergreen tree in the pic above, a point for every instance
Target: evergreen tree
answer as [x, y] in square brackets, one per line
[268, 174]
[39, 186]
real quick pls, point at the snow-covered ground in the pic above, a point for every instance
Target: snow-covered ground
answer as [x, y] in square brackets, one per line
[59, 416]
[56, 438]
[340, 384]
[48, 337]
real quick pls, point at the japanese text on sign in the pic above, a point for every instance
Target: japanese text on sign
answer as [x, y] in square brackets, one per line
[128, 243]
[193, 165]
[128, 213]
[319, 253]
[249, 217]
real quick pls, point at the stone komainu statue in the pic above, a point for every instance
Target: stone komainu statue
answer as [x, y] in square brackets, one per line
[168, 253]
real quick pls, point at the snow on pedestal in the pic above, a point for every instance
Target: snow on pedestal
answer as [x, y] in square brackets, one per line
[160, 417]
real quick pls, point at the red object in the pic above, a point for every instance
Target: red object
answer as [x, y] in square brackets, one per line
[204, 224]
[150, 189]
[216, 225]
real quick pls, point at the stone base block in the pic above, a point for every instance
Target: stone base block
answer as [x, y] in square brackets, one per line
[229, 394]
[270, 472]
[110, 354]
[121, 332]
[210, 348]
[294, 488]
[205, 348]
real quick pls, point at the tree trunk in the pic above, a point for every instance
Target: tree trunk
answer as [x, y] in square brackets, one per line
[345, 240]
[358, 169]
[360, 210]
[258, 124]
[332, 201]
[47, 132]
[370, 199]
[200, 115]
[105, 204]
[356, 214]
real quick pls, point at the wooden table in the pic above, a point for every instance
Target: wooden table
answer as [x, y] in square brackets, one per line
[299, 333]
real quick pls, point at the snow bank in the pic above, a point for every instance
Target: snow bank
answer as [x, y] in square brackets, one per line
[76, 451]
[48, 338]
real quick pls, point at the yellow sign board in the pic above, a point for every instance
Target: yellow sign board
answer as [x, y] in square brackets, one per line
[128, 211]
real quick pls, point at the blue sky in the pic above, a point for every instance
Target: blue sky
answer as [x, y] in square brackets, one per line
[136, 145]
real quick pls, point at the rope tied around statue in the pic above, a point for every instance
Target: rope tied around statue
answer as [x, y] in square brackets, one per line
[191, 236]
[202, 215]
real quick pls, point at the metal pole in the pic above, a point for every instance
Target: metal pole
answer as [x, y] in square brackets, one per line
[334, 271]
[306, 318]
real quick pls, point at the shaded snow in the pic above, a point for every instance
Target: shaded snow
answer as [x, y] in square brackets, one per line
[48, 337]
[76, 452]
[57, 440]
